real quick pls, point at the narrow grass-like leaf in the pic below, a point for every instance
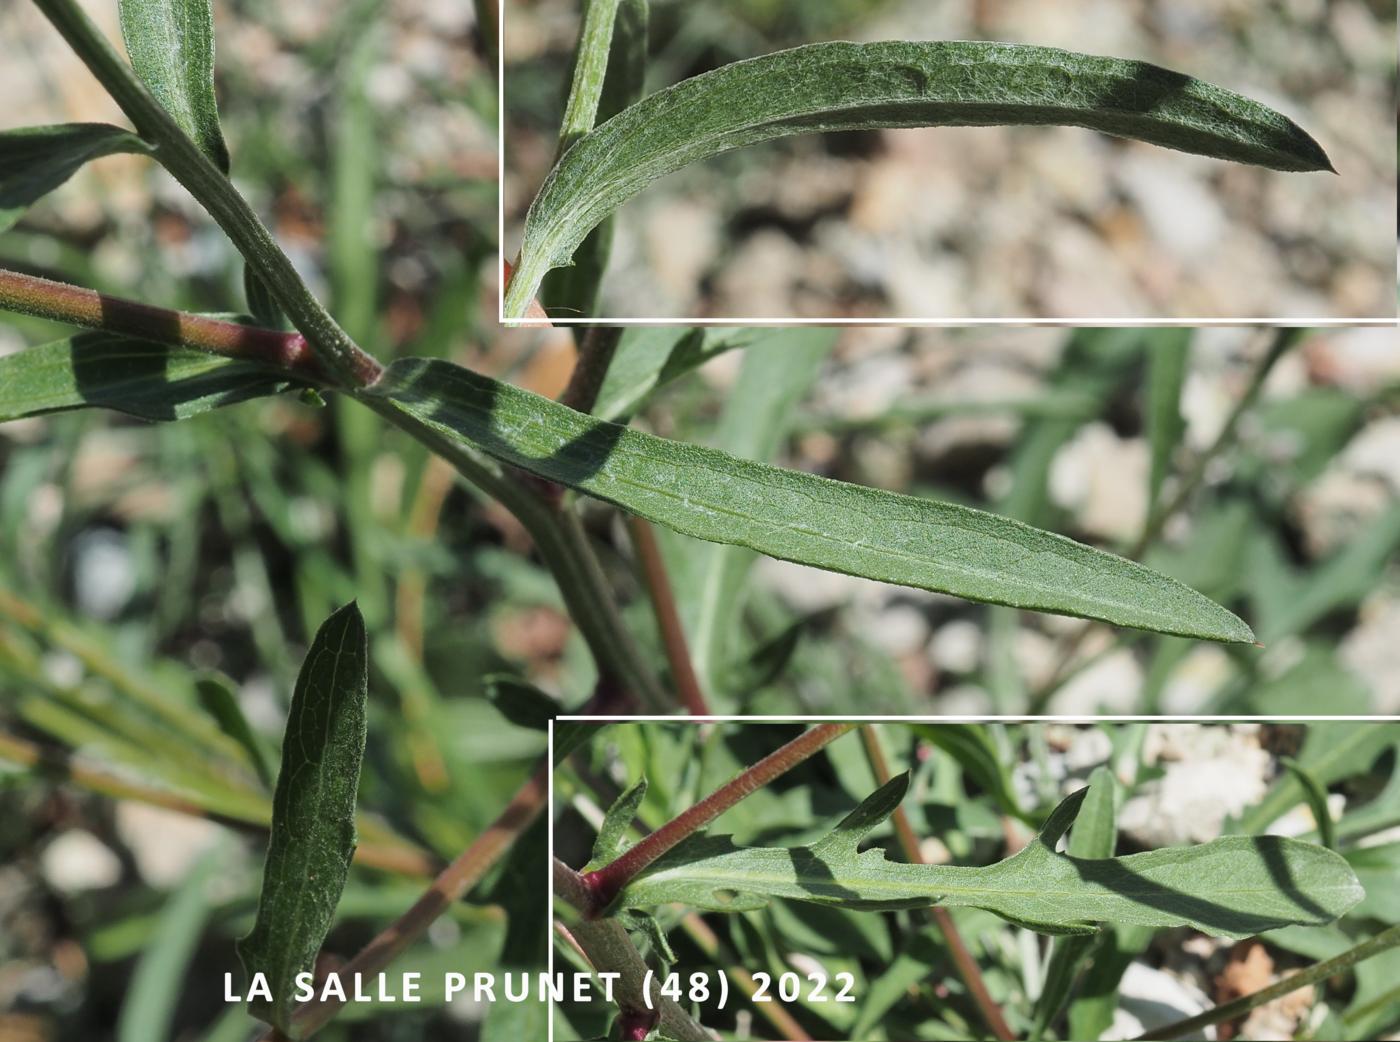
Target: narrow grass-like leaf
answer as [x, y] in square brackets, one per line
[1095, 835]
[971, 746]
[313, 813]
[649, 358]
[110, 371]
[217, 696]
[171, 45]
[1316, 797]
[1232, 887]
[795, 516]
[36, 160]
[1167, 363]
[861, 86]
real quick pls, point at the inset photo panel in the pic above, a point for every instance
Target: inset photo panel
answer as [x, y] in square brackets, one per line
[902, 161]
[895, 878]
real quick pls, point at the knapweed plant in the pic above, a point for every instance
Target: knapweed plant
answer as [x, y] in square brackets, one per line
[791, 912]
[837, 87]
[534, 457]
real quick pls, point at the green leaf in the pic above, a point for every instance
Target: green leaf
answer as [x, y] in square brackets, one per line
[972, 747]
[217, 696]
[612, 834]
[1166, 373]
[142, 379]
[1316, 797]
[36, 160]
[171, 45]
[794, 516]
[521, 702]
[313, 813]
[1232, 887]
[648, 358]
[862, 86]
[1095, 835]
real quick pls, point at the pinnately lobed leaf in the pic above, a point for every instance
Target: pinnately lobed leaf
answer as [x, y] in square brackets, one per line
[313, 813]
[171, 45]
[854, 86]
[1232, 887]
[149, 381]
[36, 160]
[708, 494]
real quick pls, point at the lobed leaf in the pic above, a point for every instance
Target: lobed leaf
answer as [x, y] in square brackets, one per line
[858, 86]
[171, 45]
[313, 813]
[794, 516]
[36, 160]
[1233, 887]
[142, 379]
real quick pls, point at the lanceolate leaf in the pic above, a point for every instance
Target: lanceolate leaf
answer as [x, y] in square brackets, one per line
[798, 517]
[142, 379]
[313, 813]
[36, 160]
[1168, 359]
[1233, 887]
[171, 44]
[851, 86]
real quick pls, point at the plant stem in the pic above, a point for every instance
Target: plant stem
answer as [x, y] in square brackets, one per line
[1383, 941]
[606, 945]
[607, 882]
[595, 355]
[340, 357]
[45, 298]
[963, 961]
[448, 888]
[590, 70]
[668, 620]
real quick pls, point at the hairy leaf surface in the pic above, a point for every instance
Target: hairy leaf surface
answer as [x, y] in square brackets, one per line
[36, 160]
[313, 813]
[856, 86]
[142, 379]
[171, 44]
[794, 516]
[1232, 887]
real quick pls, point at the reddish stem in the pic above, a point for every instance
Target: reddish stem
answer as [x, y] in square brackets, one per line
[668, 620]
[45, 298]
[606, 883]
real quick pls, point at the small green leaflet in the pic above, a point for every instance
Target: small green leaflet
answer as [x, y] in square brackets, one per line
[149, 381]
[171, 44]
[857, 86]
[313, 813]
[36, 160]
[794, 516]
[1232, 887]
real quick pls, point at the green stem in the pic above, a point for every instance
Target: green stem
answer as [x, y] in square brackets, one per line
[590, 70]
[338, 354]
[1312, 975]
[607, 882]
[44, 298]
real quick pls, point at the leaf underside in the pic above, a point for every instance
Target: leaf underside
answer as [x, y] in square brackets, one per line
[799, 517]
[313, 813]
[1233, 887]
[142, 379]
[36, 160]
[893, 84]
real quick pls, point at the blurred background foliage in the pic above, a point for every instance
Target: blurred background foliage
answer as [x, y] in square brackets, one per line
[998, 222]
[973, 789]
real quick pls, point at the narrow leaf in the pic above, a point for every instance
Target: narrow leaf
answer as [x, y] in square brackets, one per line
[612, 834]
[649, 358]
[107, 370]
[1316, 797]
[217, 696]
[861, 86]
[171, 45]
[794, 516]
[36, 160]
[1167, 363]
[521, 702]
[1232, 887]
[313, 813]
[971, 746]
